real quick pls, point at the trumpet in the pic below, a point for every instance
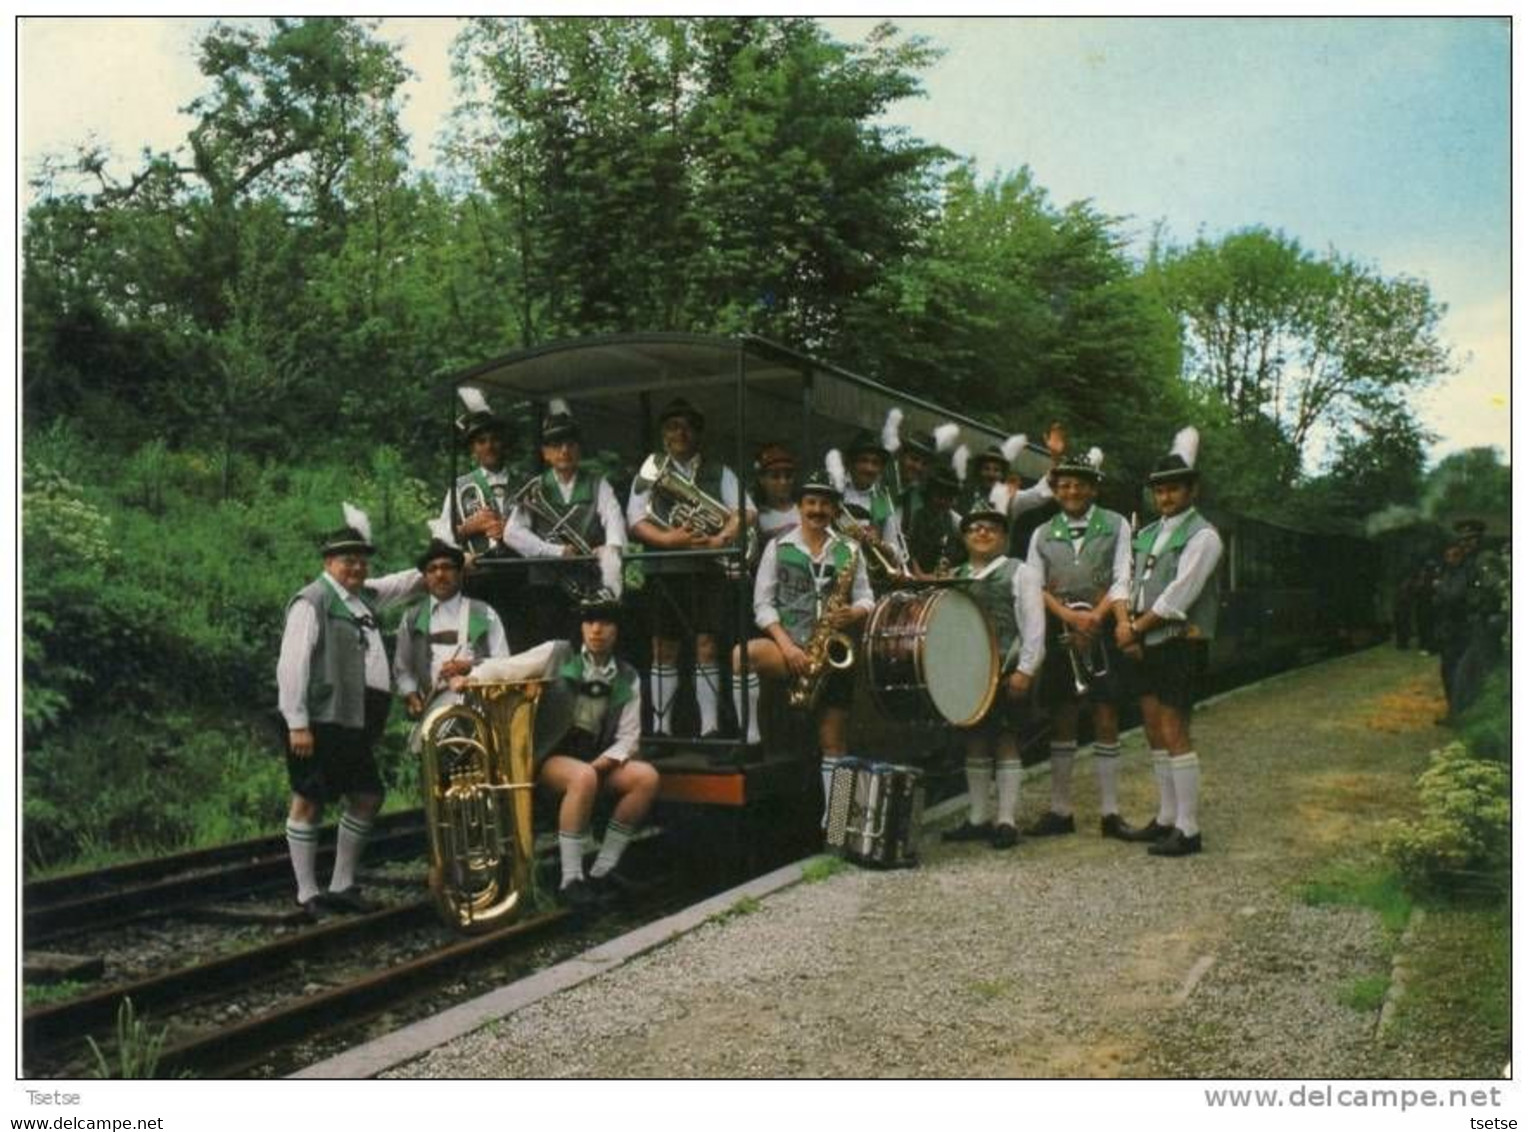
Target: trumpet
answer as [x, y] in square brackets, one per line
[676, 502]
[1089, 664]
[560, 530]
[885, 571]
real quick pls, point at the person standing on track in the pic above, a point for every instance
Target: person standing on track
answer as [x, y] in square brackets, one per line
[334, 691]
[1166, 627]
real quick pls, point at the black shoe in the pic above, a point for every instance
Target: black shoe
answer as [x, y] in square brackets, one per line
[1176, 844]
[349, 901]
[1050, 824]
[313, 909]
[1005, 836]
[1152, 831]
[612, 887]
[579, 897]
[965, 831]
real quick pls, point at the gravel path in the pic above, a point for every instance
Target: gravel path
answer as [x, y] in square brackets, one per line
[1069, 957]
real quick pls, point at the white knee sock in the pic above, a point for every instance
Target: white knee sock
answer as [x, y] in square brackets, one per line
[1010, 773]
[617, 837]
[1106, 757]
[747, 691]
[1185, 771]
[302, 844]
[665, 682]
[979, 783]
[570, 848]
[347, 850]
[707, 681]
[1062, 755]
[1167, 797]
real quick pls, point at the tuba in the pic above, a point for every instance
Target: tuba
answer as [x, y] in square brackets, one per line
[477, 775]
[826, 648]
[675, 501]
[574, 582]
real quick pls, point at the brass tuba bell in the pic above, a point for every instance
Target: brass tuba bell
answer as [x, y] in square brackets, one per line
[478, 774]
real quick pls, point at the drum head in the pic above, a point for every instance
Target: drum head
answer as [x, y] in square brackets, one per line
[960, 661]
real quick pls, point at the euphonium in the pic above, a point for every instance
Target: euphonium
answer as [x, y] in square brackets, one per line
[690, 508]
[477, 775]
[470, 500]
[826, 648]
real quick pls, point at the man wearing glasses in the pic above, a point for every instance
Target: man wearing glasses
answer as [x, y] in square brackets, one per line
[334, 691]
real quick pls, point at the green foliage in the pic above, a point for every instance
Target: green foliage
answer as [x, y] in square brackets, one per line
[46, 994]
[1461, 844]
[1469, 484]
[1366, 993]
[1362, 885]
[137, 1049]
[1485, 727]
[742, 906]
[821, 868]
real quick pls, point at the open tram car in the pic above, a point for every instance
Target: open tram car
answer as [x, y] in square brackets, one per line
[1286, 596]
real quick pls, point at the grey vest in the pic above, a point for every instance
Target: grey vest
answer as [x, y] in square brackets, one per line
[582, 518]
[598, 716]
[414, 636]
[795, 588]
[994, 594]
[1203, 611]
[1080, 575]
[337, 667]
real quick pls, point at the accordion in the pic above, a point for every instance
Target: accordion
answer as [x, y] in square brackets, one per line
[875, 813]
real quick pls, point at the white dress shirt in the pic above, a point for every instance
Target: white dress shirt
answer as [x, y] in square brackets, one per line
[1028, 611]
[636, 506]
[1201, 554]
[301, 634]
[628, 728]
[767, 583]
[1119, 586]
[449, 617]
[523, 539]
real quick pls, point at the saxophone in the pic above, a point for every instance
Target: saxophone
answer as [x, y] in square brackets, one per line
[827, 648]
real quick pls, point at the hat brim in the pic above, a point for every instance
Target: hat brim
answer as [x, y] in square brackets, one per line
[986, 515]
[803, 490]
[608, 611]
[1174, 476]
[349, 546]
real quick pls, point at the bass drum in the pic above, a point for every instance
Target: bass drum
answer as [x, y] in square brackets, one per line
[931, 656]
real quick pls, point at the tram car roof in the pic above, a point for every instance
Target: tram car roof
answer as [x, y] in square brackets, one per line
[808, 404]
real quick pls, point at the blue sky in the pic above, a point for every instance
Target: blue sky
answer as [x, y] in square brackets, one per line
[1386, 139]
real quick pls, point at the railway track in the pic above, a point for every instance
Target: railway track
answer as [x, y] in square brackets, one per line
[64, 906]
[241, 1011]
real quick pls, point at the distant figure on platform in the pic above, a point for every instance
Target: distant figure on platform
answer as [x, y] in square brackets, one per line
[1165, 629]
[334, 692]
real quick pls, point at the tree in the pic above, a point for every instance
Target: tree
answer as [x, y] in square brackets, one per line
[1469, 484]
[1306, 342]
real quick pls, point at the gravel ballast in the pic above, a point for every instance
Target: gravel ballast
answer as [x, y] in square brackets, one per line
[1067, 957]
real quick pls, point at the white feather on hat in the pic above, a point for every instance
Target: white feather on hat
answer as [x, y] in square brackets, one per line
[473, 398]
[1000, 496]
[439, 529]
[945, 436]
[891, 431]
[1186, 444]
[959, 461]
[1014, 445]
[357, 521]
[834, 462]
[558, 407]
[1096, 457]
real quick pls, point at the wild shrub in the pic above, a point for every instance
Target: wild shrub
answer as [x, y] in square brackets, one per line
[1460, 846]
